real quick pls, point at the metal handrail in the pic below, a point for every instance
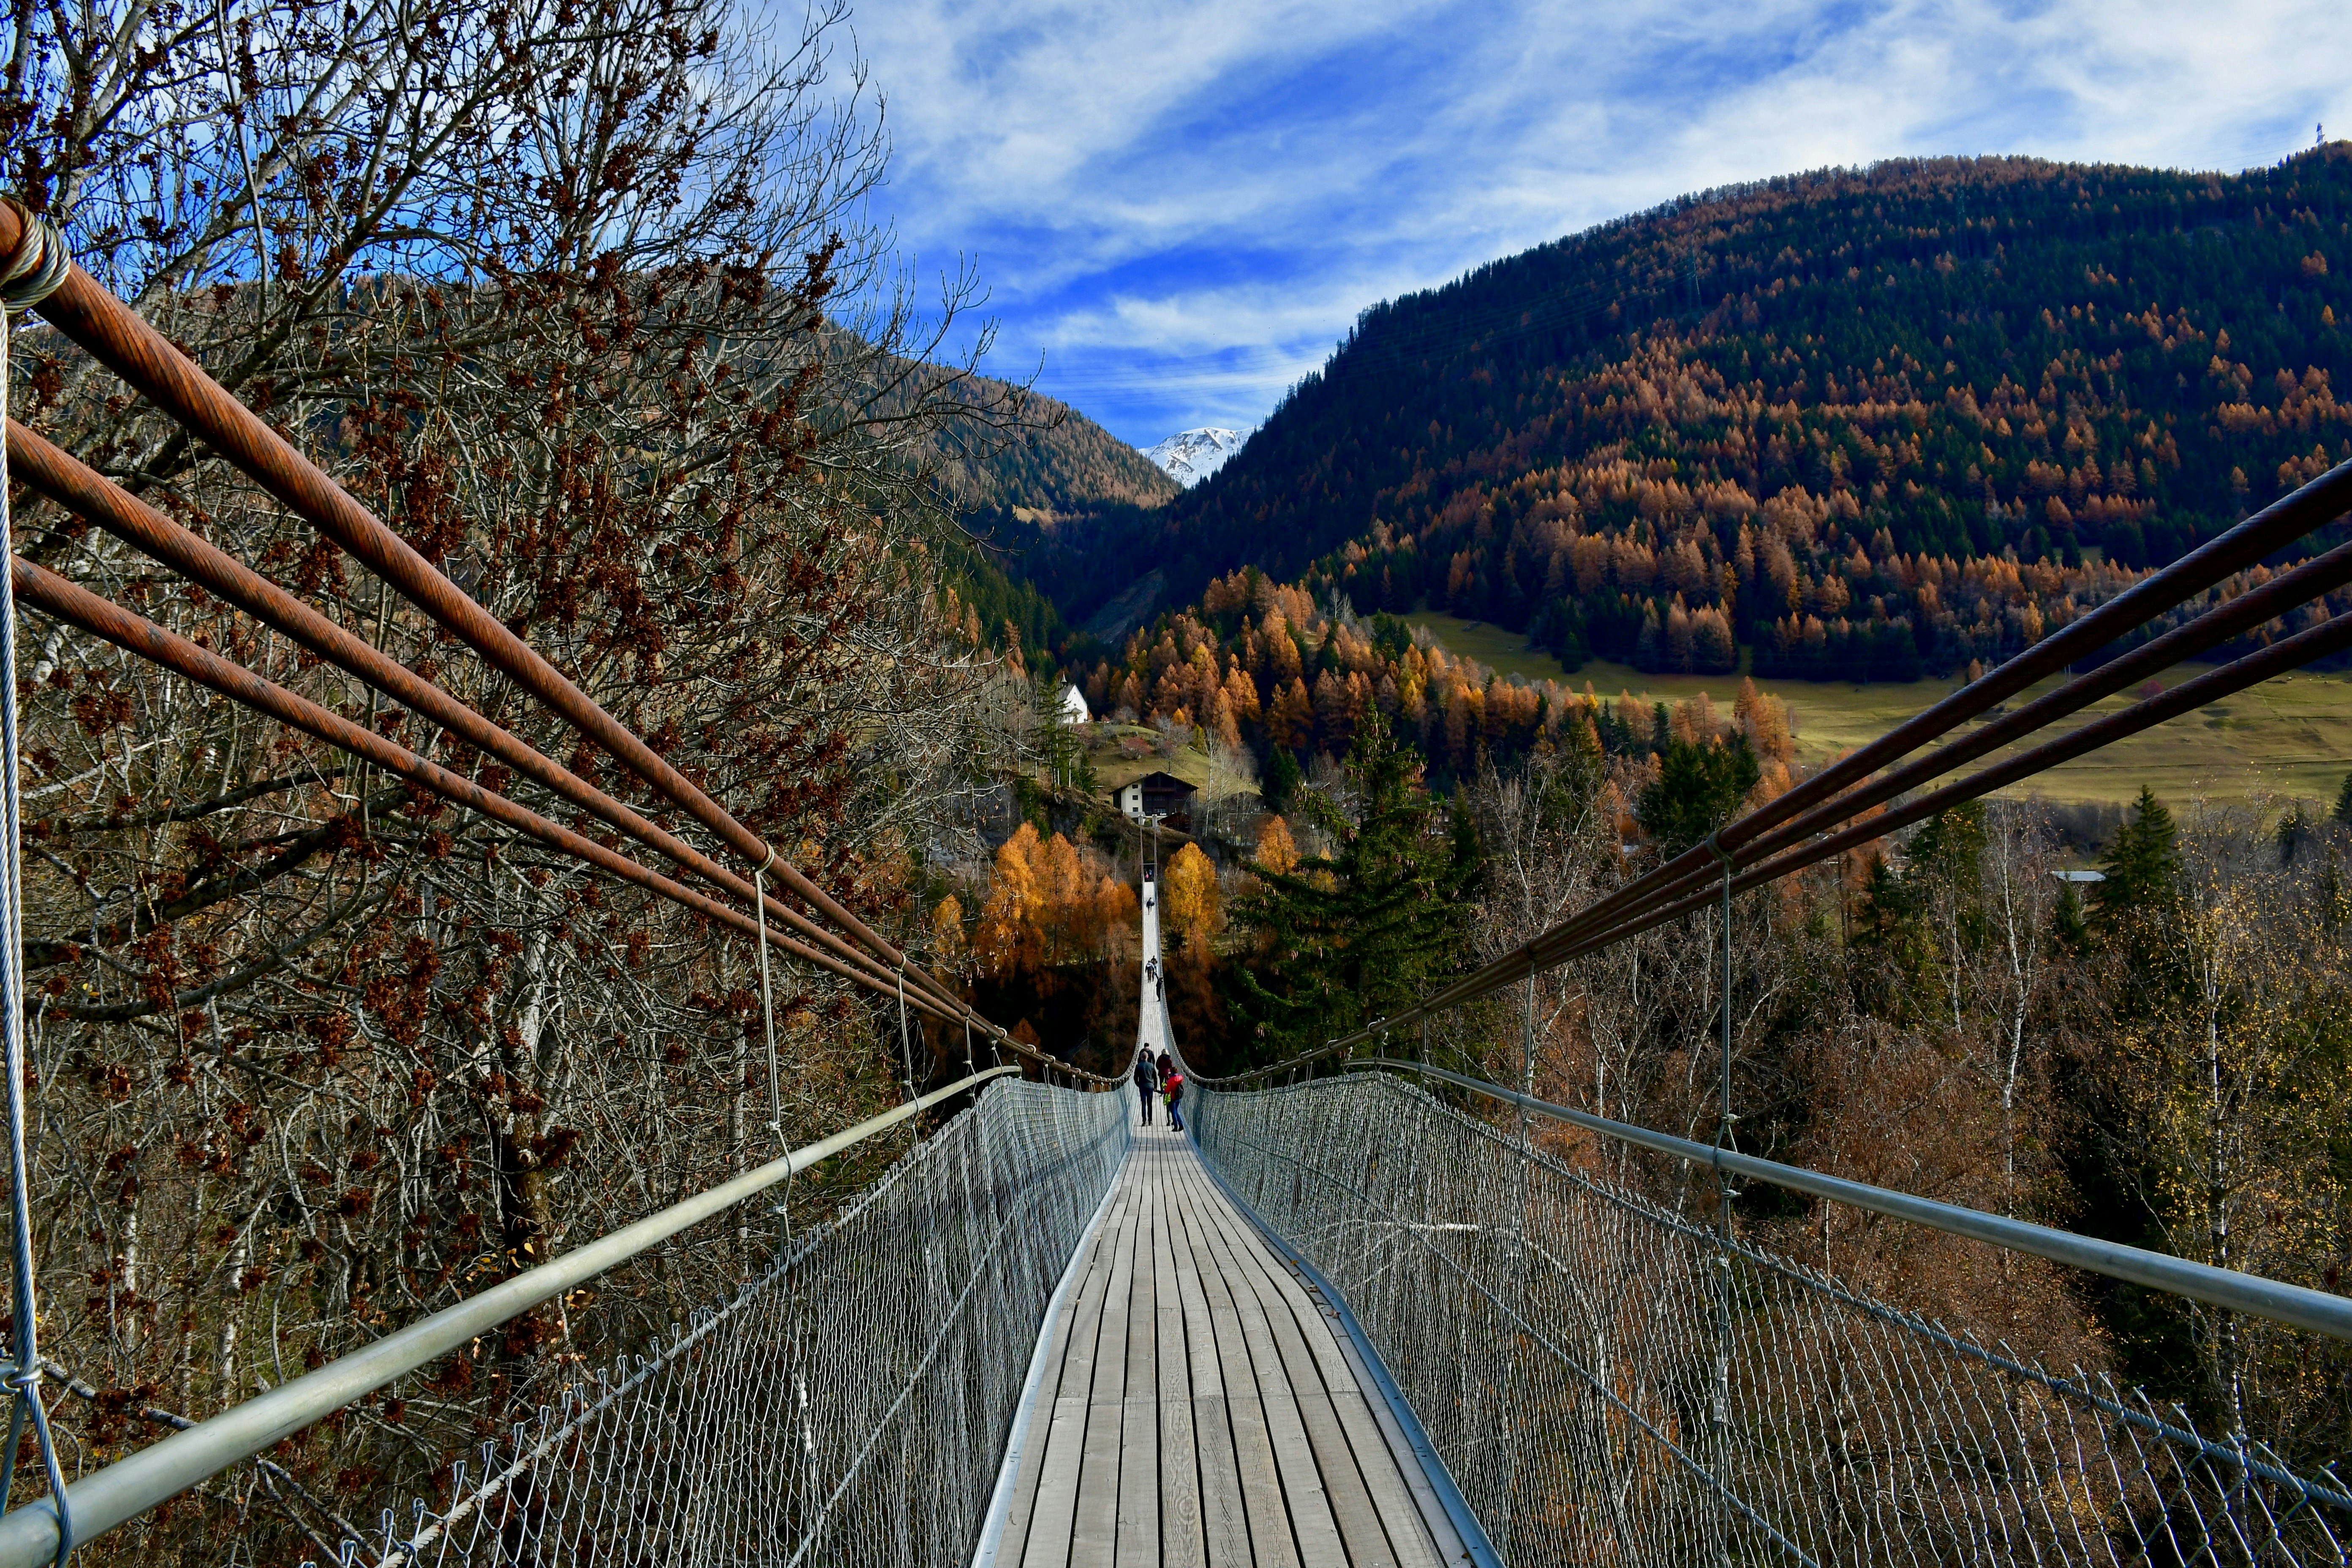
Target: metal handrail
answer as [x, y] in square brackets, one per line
[130, 1487]
[2317, 1311]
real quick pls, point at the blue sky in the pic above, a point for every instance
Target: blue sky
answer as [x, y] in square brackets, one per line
[1179, 208]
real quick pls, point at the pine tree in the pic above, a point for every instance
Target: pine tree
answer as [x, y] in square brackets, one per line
[1282, 777]
[1700, 788]
[2066, 921]
[1360, 931]
[2344, 801]
[2143, 865]
[2138, 906]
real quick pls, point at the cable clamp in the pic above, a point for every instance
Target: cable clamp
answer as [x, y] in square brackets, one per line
[1722, 857]
[39, 267]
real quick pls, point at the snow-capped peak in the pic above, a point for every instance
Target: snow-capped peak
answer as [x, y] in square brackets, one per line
[1191, 456]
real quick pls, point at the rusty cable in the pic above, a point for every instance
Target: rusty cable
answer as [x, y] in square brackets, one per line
[142, 638]
[114, 334]
[85, 492]
[2289, 590]
[2289, 653]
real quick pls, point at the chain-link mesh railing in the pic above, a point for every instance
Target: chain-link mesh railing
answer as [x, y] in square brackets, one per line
[849, 1406]
[1612, 1383]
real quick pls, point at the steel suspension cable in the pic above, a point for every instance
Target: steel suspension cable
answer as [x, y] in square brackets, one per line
[135, 634]
[2309, 507]
[120, 340]
[1845, 787]
[2290, 590]
[2318, 642]
[88, 494]
[142, 638]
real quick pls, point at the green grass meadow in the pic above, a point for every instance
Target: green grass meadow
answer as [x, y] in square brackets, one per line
[2291, 736]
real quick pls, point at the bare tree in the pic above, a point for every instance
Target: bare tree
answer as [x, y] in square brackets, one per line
[583, 303]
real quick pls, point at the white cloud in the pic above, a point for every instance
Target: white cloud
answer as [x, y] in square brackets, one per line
[1181, 208]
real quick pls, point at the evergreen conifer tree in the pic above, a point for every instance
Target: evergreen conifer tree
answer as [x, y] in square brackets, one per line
[1698, 789]
[2066, 922]
[2143, 865]
[2137, 908]
[2344, 801]
[1360, 931]
[1282, 777]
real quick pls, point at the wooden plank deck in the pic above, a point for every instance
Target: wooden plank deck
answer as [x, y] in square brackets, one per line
[1199, 1408]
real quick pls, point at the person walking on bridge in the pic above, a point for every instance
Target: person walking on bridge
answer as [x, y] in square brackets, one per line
[1146, 1082]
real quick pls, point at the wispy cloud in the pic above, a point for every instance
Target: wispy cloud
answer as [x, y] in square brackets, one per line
[1179, 208]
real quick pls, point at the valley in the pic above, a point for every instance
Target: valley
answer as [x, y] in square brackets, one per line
[2289, 738]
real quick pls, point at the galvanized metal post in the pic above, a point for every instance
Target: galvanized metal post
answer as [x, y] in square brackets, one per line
[768, 1008]
[34, 272]
[1724, 1194]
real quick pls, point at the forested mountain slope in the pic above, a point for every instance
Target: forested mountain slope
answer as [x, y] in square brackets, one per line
[1871, 421]
[1025, 498]
[1064, 463]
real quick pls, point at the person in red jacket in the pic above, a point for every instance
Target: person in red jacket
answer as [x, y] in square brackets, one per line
[1171, 1088]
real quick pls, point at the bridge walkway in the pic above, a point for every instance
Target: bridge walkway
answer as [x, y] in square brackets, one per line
[1203, 1407]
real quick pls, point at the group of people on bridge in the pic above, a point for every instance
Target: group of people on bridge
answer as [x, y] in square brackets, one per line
[1159, 1078]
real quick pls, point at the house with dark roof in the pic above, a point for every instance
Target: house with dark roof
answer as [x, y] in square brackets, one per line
[1157, 794]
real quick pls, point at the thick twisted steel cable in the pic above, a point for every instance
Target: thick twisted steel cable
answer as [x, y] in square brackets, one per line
[2309, 507]
[32, 272]
[2290, 590]
[136, 635]
[119, 339]
[2292, 653]
[88, 494]
[1845, 788]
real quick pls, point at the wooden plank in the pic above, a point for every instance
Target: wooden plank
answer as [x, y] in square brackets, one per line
[1180, 1542]
[1224, 1509]
[1094, 1525]
[1362, 1532]
[1381, 1464]
[1224, 1522]
[1044, 1542]
[1257, 1476]
[1139, 1454]
[1312, 1522]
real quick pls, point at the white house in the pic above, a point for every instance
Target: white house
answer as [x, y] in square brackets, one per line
[1074, 707]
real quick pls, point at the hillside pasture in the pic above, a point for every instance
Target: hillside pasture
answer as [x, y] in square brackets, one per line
[2290, 736]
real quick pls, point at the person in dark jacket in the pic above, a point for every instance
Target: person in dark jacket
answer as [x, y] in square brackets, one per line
[1146, 1082]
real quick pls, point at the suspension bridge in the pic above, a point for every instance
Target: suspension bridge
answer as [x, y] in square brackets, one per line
[1359, 1313]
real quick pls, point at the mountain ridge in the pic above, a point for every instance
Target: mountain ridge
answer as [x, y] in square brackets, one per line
[1795, 416]
[1191, 456]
